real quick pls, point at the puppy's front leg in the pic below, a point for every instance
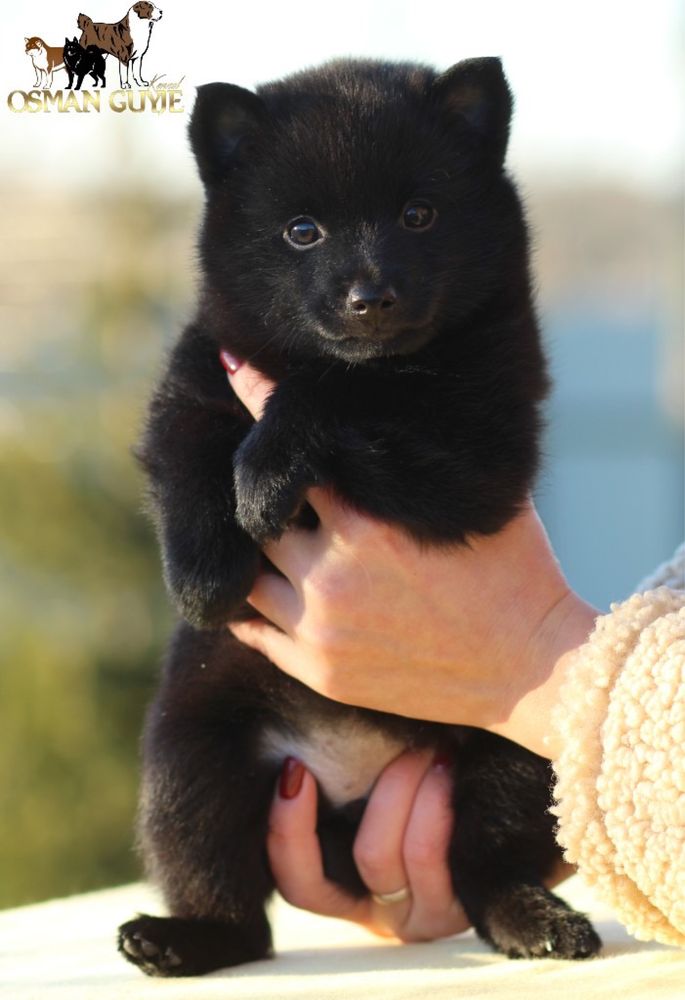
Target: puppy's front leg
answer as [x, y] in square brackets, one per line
[284, 453]
[194, 426]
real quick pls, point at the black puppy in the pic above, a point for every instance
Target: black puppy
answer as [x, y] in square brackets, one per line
[363, 246]
[78, 62]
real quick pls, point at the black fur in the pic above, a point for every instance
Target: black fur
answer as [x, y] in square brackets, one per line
[78, 62]
[409, 377]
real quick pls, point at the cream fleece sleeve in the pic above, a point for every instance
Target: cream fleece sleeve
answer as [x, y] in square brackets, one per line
[620, 789]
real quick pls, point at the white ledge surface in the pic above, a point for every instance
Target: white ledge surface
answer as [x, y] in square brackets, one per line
[65, 950]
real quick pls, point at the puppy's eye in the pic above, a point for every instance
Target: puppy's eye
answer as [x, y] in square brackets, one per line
[418, 215]
[302, 232]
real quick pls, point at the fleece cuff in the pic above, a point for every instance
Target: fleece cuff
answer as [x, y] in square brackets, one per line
[620, 779]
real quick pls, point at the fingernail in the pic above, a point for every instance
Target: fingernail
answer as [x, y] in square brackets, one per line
[290, 781]
[230, 363]
[442, 762]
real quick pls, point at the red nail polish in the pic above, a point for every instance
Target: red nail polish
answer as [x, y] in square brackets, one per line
[290, 781]
[442, 762]
[230, 363]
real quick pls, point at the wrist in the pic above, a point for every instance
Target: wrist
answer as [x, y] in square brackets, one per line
[552, 652]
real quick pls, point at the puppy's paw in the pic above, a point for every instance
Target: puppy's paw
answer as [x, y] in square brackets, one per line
[144, 944]
[268, 489]
[530, 922]
[562, 935]
[263, 507]
[170, 946]
[209, 577]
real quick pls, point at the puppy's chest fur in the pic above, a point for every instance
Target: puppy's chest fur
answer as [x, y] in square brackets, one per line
[345, 756]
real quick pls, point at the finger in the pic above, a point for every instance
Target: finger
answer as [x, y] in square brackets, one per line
[295, 856]
[289, 656]
[378, 844]
[294, 553]
[280, 649]
[332, 512]
[275, 598]
[435, 911]
[250, 386]
[269, 641]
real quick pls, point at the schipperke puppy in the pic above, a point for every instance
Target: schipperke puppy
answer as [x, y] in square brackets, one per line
[78, 62]
[363, 246]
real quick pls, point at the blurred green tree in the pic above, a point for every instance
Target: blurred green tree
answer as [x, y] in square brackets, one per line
[85, 616]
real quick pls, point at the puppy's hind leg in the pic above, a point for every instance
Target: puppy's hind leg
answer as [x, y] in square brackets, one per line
[204, 813]
[204, 841]
[502, 850]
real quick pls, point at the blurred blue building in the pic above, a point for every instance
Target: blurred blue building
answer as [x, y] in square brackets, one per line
[611, 494]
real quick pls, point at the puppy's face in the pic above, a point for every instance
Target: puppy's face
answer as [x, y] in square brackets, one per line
[355, 210]
[33, 46]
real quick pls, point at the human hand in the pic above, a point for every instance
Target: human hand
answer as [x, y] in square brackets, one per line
[479, 635]
[402, 842]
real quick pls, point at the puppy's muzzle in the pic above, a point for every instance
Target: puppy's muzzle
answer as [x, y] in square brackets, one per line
[371, 306]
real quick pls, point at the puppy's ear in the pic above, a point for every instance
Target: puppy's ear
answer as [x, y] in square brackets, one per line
[224, 117]
[477, 92]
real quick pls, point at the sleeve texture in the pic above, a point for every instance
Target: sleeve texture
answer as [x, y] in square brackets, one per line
[620, 778]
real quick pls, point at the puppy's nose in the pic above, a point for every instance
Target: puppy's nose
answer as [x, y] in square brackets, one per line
[370, 301]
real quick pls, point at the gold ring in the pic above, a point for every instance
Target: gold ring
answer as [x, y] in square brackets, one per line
[388, 898]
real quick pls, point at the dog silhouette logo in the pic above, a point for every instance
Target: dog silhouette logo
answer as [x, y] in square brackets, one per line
[79, 61]
[82, 61]
[46, 60]
[127, 40]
